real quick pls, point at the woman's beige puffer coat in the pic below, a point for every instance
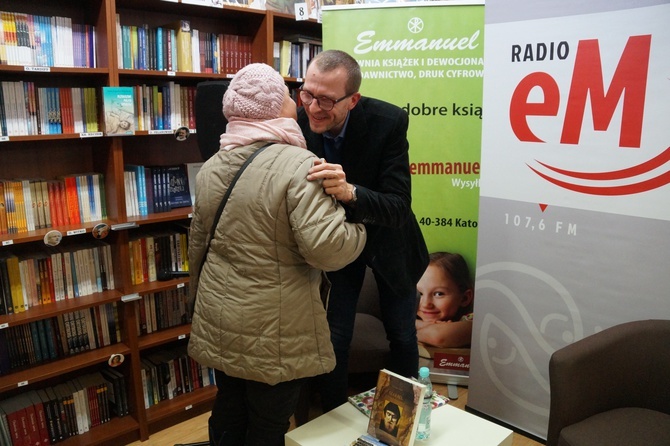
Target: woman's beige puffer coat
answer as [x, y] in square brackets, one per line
[259, 312]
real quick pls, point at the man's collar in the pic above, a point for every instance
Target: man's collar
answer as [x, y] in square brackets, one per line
[342, 132]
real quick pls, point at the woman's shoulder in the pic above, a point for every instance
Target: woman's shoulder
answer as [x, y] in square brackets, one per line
[293, 155]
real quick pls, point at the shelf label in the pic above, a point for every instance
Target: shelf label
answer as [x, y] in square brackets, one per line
[189, 407]
[76, 231]
[181, 336]
[171, 73]
[301, 11]
[90, 134]
[7, 242]
[22, 383]
[160, 132]
[130, 297]
[180, 285]
[124, 226]
[41, 69]
[3, 326]
[4, 138]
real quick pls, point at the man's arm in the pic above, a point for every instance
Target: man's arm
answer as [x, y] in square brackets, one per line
[383, 198]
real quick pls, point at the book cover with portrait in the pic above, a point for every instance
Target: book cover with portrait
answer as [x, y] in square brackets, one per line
[394, 418]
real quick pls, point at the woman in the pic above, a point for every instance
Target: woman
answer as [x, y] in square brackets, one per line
[259, 316]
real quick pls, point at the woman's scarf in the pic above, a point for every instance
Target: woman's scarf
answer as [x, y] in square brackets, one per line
[243, 132]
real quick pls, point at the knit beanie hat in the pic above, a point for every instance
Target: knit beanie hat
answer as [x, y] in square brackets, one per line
[256, 92]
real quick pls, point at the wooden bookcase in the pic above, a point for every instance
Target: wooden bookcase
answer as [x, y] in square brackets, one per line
[51, 156]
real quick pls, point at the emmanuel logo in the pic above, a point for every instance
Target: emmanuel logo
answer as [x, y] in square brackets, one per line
[415, 25]
[628, 87]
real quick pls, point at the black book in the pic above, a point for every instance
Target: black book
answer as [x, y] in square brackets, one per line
[179, 195]
[51, 416]
[60, 416]
[5, 364]
[113, 381]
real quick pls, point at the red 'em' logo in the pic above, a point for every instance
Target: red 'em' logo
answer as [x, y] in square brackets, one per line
[629, 81]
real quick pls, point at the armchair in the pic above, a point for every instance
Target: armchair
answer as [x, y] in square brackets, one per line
[612, 388]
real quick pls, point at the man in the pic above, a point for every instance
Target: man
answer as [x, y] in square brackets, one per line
[363, 142]
[389, 421]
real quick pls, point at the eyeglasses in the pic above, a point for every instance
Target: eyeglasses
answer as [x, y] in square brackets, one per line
[324, 103]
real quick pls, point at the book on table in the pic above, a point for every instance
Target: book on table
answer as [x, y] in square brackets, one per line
[363, 401]
[396, 407]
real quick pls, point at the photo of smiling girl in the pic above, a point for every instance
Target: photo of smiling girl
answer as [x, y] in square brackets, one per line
[446, 295]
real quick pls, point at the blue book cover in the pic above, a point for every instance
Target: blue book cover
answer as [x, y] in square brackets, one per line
[141, 185]
[119, 110]
[160, 64]
[141, 56]
[125, 43]
[91, 196]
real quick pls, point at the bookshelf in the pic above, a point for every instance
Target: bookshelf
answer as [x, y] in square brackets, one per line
[50, 155]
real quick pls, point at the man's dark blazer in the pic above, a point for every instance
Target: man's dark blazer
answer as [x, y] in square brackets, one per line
[375, 157]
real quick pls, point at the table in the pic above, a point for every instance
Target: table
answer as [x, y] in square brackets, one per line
[449, 426]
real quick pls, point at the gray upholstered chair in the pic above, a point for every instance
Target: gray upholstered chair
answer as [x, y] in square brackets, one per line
[612, 388]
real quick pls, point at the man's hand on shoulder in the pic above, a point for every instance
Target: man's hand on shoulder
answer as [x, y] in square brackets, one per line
[333, 180]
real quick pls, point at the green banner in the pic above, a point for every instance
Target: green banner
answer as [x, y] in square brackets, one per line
[428, 59]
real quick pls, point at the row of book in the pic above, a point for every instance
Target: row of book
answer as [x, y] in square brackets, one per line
[35, 40]
[158, 311]
[27, 110]
[44, 340]
[311, 8]
[35, 203]
[292, 55]
[170, 373]
[164, 107]
[153, 189]
[34, 276]
[177, 46]
[156, 253]
[53, 414]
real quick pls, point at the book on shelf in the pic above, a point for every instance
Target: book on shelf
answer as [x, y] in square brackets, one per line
[5, 436]
[284, 57]
[116, 391]
[396, 407]
[119, 110]
[3, 210]
[179, 194]
[183, 44]
[6, 304]
[17, 419]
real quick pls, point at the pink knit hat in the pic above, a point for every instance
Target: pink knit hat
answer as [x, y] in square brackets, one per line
[256, 92]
